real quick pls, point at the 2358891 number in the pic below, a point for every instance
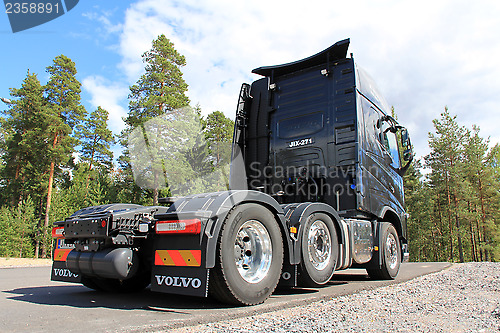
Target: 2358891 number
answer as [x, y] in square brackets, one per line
[31, 8]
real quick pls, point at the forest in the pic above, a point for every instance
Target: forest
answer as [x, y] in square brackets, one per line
[56, 158]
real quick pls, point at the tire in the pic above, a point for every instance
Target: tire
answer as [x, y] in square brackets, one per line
[391, 254]
[249, 257]
[320, 249]
[135, 284]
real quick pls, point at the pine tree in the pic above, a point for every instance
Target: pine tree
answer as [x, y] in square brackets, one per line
[23, 131]
[126, 188]
[423, 231]
[96, 140]
[64, 113]
[446, 177]
[219, 136]
[16, 229]
[159, 150]
[198, 157]
[484, 196]
[161, 90]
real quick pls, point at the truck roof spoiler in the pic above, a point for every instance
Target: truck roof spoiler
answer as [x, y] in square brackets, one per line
[335, 52]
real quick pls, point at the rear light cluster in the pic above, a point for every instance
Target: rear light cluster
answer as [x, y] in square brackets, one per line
[192, 227]
[58, 232]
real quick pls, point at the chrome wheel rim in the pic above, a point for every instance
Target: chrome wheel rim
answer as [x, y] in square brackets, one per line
[253, 251]
[319, 245]
[392, 251]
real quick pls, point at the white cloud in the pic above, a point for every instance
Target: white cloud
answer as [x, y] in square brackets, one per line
[110, 96]
[103, 17]
[424, 55]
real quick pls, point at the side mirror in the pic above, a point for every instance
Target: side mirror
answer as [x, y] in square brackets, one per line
[406, 148]
[406, 145]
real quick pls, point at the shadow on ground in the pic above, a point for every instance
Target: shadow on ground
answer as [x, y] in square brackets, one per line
[79, 296]
[82, 297]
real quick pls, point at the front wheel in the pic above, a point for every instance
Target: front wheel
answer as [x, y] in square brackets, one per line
[391, 254]
[249, 257]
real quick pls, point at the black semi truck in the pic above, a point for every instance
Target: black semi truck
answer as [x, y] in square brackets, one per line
[316, 186]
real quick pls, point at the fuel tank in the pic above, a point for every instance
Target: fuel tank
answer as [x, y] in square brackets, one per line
[117, 263]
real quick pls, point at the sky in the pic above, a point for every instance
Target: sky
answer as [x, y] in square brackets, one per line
[424, 55]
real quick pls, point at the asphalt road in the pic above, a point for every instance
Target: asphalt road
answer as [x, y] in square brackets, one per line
[29, 301]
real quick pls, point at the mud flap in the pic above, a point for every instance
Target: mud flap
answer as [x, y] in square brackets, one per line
[61, 273]
[376, 261]
[180, 280]
[288, 276]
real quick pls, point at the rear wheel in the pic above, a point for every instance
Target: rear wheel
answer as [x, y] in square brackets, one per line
[391, 254]
[319, 250]
[249, 256]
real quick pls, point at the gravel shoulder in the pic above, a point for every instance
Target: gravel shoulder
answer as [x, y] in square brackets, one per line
[24, 262]
[463, 298]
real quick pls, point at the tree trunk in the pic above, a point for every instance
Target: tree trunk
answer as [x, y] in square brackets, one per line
[471, 231]
[473, 243]
[155, 196]
[47, 210]
[483, 221]
[155, 189]
[37, 240]
[450, 223]
[90, 167]
[440, 229]
[49, 199]
[459, 237]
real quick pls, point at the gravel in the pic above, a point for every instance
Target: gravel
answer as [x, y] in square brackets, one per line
[464, 298]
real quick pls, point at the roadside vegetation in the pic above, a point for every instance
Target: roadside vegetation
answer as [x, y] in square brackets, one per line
[56, 157]
[454, 208]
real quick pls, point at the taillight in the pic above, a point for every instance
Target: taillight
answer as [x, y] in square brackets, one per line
[58, 232]
[179, 227]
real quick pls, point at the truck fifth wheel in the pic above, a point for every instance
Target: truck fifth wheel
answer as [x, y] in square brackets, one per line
[316, 186]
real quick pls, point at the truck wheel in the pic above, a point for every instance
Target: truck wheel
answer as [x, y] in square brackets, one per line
[391, 254]
[249, 257]
[320, 248]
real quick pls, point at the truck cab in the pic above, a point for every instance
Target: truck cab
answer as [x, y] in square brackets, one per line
[319, 130]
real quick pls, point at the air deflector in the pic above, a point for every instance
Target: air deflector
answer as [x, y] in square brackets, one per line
[335, 52]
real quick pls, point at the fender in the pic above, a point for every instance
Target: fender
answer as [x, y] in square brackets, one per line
[215, 207]
[399, 220]
[298, 217]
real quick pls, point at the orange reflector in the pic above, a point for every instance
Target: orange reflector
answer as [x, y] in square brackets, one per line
[61, 254]
[192, 226]
[178, 258]
[293, 230]
[57, 232]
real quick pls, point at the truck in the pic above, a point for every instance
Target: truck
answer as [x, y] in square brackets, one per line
[315, 186]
